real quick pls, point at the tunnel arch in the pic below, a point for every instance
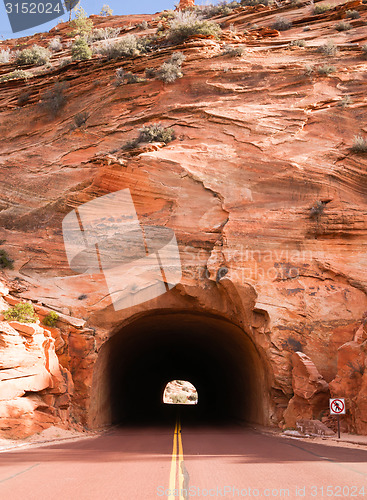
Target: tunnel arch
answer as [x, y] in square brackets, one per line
[214, 354]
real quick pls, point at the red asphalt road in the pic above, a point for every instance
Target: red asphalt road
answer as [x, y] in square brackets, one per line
[227, 462]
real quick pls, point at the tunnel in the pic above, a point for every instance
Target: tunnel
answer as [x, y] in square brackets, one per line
[216, 356]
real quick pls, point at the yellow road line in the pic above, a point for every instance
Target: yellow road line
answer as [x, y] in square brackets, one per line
[180, 462]
[172, 475]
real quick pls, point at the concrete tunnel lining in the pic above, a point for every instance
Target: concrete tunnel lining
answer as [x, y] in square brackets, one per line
[216, 356]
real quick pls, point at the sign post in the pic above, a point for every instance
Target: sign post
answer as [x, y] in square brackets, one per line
[337, 407]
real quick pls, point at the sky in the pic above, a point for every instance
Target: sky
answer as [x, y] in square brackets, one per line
[91, 7]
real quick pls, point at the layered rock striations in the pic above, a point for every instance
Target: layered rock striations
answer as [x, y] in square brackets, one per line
[261, 186]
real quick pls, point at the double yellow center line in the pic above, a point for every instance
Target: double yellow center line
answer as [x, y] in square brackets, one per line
[177, 465]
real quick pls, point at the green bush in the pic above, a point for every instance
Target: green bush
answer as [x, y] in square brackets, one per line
[186, 24]
[352, 14]
[35, 56]
[5, 261]
[82, 26]
[328, 49]
[106, 11]
[126, 47]
[343, 26]
[24, 313]
[282, 24]
[51, 319]
[222, 9]
[171, 69]
[320, 9]
[14, 75]
[80, 50]
[54, 100]
[156, 133]
[359, 144]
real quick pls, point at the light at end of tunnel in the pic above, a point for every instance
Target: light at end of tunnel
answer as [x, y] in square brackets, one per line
[180, 392]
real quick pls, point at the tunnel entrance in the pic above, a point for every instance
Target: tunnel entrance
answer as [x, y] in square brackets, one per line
[216, 356]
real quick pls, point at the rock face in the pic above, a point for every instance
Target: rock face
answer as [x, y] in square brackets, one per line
[261, 187]
[186, 4]
[311, 392]
[35, 390]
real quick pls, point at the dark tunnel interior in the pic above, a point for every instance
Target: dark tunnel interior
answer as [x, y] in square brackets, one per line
[216, 356]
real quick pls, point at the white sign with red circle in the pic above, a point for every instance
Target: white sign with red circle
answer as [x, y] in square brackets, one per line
[337, 406]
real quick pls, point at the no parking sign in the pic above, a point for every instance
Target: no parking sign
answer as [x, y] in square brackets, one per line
[337, 406]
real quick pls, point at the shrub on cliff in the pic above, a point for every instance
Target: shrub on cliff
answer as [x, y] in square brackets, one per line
[24, 313]
[320, 9]
[36, 56]
[99, 34]
[14, 75]
[282, 24]
[5, 261]
[328, 49]
[5, 56]
[343, 26]
[80, 50]
[222, 9]
[126, 47]
[186, 24]
[359, 144]
[156, 133]
[364, 50]
[54, 100]
[171, 69]
[81, 24]
[51, 319]
[55, 44]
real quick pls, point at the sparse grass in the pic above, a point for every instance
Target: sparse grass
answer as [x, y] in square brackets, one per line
[5, 55]
[143, 26]
[5, 261]
[80, 119]
[126, 47]
[14, 75]
[352, 14]
[53, 100]
[80, 50]
[346, 101]
[326, 69]
[35, 56]
[150, 72]
[317, 209]
[24, 313]
[343, 26]
[55, 44]
[309, 69]
[51, 319]
[359, 144]
[320, 9]
[230, 50]
[99, 34]
[298, 43]
[328, 49]
[222, 9]
[156, 133]
[171, 69]
[186, 24]
[282, 24]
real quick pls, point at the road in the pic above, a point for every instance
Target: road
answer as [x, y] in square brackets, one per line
[185, 462]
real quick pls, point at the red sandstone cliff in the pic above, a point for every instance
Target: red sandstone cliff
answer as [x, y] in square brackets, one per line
[260, 180]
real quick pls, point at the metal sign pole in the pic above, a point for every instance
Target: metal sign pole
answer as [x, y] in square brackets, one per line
[338, 418]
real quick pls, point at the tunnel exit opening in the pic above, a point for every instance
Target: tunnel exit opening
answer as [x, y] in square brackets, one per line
[216, 356]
